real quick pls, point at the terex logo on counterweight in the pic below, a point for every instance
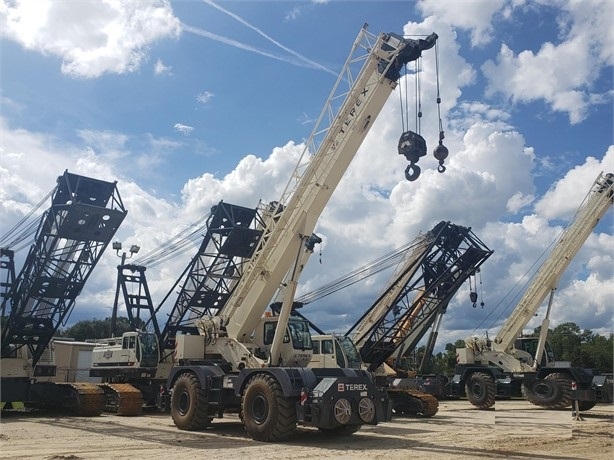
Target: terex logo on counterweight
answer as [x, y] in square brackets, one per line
[351, 387]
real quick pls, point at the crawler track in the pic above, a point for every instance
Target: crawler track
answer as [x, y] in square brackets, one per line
[83, 399]
[122, 398]
[411, 402]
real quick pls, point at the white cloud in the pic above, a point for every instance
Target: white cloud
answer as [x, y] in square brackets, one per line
[161, 69]
[91, 37]
[475, 16]
[204, 97]
[183, 129]
[563, 199]
[518, 201]
[252, 179]
[561, 74]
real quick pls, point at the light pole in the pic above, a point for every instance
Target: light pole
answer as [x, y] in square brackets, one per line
[117, 246]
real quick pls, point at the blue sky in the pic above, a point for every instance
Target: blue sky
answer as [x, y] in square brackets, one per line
[186, 103]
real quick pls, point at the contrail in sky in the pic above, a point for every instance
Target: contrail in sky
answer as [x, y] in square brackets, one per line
[302, 58]
[237, 44]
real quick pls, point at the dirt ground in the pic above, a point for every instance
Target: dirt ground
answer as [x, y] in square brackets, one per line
[515, 430]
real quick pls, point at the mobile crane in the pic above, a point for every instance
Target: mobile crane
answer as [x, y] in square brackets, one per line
[415, 298]
[227, 369]
[242, 361]
[71, 237]
[506, 366]
[134, 367]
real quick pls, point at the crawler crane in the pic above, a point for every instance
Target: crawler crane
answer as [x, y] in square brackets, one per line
[503, 366]
[135, 366]
[71, 237]
[418, 294]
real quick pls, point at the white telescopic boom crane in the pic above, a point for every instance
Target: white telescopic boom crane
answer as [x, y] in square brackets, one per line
[321, 167]
[595, 205]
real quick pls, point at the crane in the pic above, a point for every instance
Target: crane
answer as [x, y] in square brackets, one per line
[71, 237]
[506, 366]
[134, 367]
[246, 361]
[416, 296]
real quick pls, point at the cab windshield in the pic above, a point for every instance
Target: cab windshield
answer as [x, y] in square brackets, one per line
[350, 351]
[299, 332]
[149, 350]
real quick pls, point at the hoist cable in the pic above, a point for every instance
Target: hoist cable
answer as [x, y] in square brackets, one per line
[27, 221]
[438, 93]
[376, 266]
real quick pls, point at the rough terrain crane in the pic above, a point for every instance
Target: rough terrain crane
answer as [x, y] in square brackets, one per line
[71, 237]
[510, 365]
[274, 390]
[418, 293]
[244, 361]
[237, 343]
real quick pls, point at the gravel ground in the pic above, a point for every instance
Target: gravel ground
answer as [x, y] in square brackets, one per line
[515, 430]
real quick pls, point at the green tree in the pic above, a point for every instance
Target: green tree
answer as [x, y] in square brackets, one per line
[600, 350]
[95, 329]
[444, 363]
[581, 348]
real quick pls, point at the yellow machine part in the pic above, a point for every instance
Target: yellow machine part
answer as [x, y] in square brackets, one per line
[122, 398]
[411, 402]
[84, 399]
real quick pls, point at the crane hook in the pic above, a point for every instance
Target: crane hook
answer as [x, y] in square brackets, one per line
[473, 296]
[412, 172]
[441, 153]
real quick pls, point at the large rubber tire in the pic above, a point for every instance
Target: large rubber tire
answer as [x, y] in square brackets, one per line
[267, 414]
[586, 405]
[189, 404]
[553, 392]
[481, 390]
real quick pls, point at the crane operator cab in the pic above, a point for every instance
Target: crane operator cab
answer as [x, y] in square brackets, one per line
[297, 345]
[132, 349]
[330, 350]
[527, 347]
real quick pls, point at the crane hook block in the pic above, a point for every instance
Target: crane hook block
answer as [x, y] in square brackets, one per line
[440, 153]
[473, 296]
[412, 145]
[412, 172]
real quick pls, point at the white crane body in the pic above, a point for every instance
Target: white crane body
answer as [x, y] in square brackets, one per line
[512, 365]
[312, 184]
[240, 366]
[547, 277]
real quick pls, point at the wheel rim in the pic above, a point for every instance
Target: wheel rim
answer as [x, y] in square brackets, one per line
[184, 402]
[366, 410]
[543, 390]
[343, 411]
[477, 390]
[259, 409]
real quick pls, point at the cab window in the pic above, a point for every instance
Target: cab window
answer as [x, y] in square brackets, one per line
[269, 333]
[327, 347]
